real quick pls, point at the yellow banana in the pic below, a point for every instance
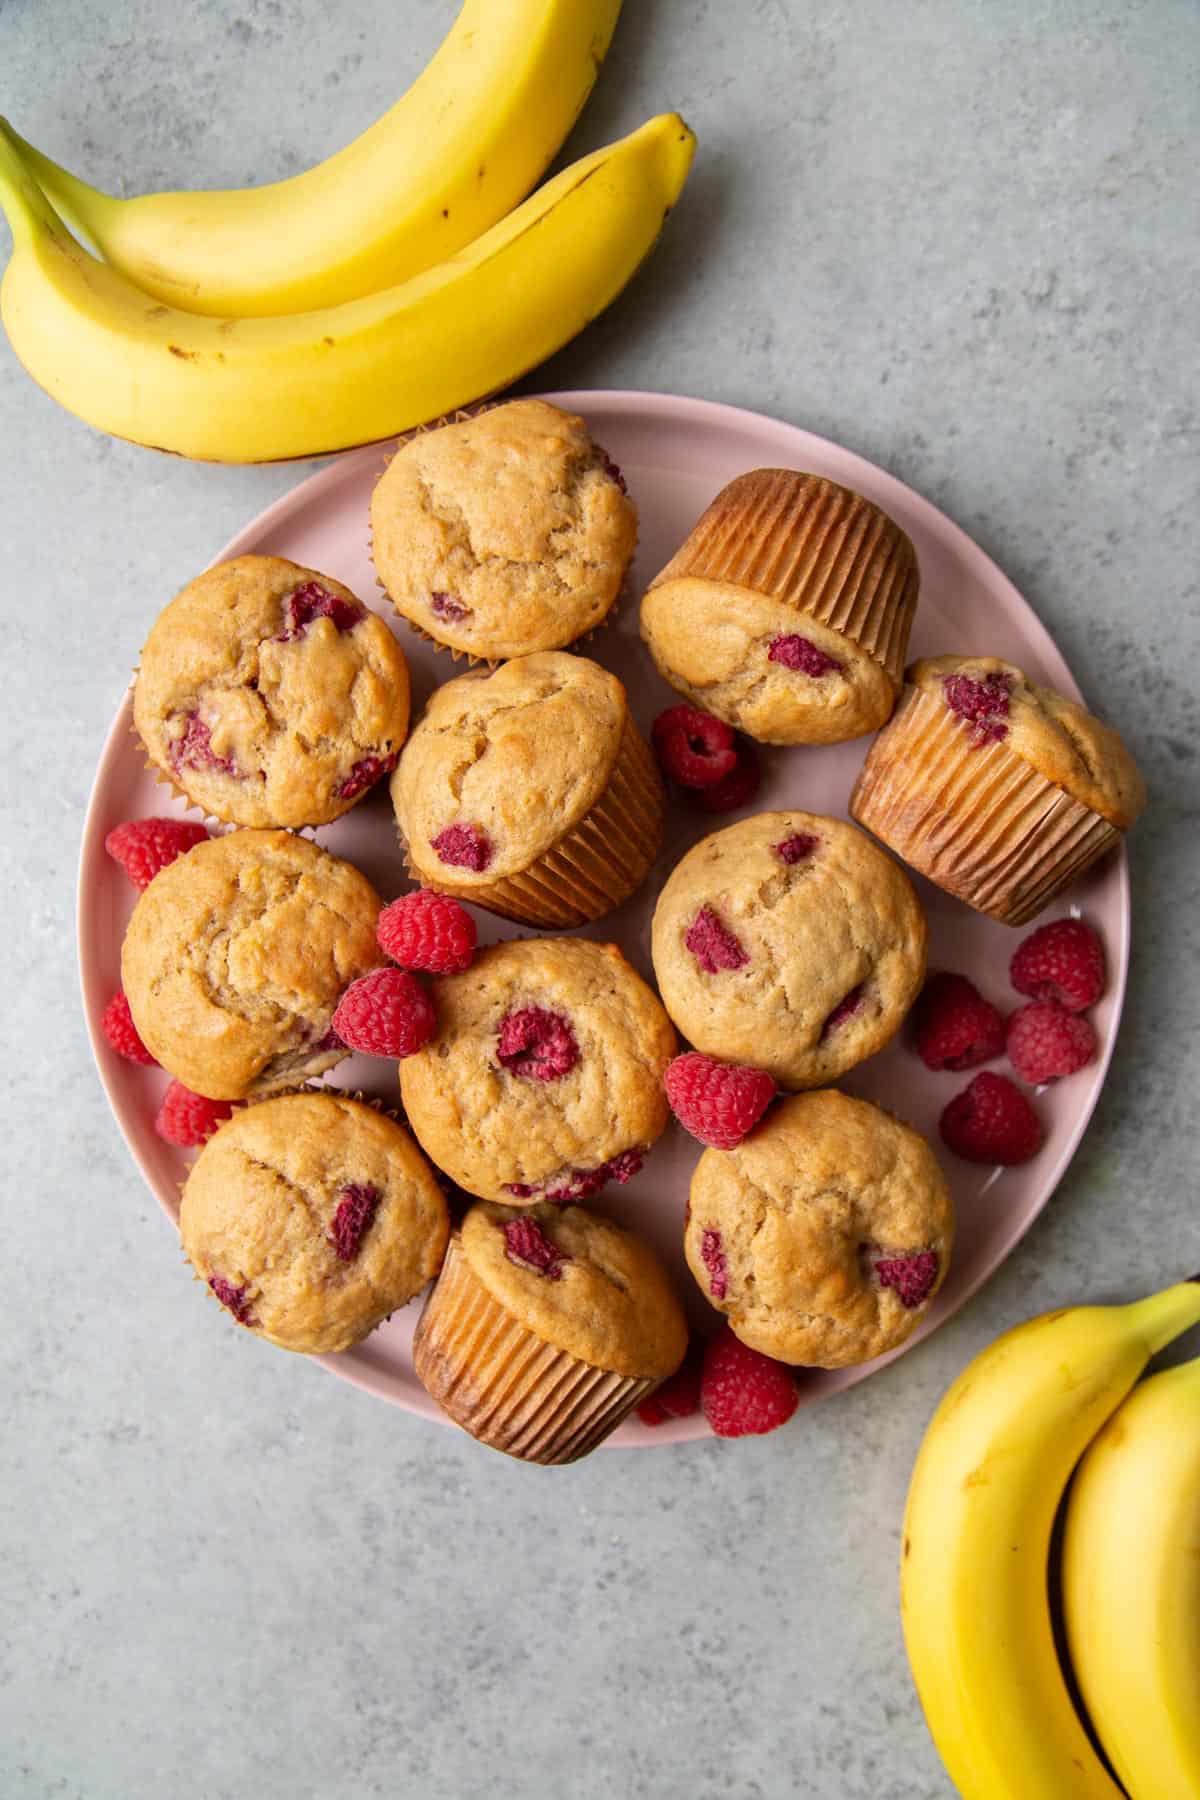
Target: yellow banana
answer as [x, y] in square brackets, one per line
[251, 390]
[1131, 1586]
[455, 154]
[987, 1483]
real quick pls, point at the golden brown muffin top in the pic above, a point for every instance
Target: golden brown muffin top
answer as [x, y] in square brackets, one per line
[236, 956]
[825, 1235]
[581, 1283]
[1064, 742]
[311, 1217]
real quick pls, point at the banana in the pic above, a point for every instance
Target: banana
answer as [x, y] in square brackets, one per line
[251, 390]
[1131, 1586]
[456, 153]
[974, 1596]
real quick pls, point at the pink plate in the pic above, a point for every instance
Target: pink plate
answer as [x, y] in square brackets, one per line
[675, 453]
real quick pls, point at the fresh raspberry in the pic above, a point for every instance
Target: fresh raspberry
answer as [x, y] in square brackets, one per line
[424, 930]
[445, 606]
[357, 1206]
[718, 1102]
[526, 1244]
[742, 1391]
[981, 705]
[1062, 961]
[385, 1013]
[737, 788]
[194, 749]
[713, 944]
[234, 1298]
[679, 1395]
[912, 1277]
[991, 1121]
[144, 846]
[116, 1022]
[581, 1184]
[956, 1028]
[694, 749]
[845, 1009]
[311, 601]
[365, 773]
[797, 848]
[712, 1255]
[464, 847]
[186, 1118]
[800, 654]
[1045, 1041]
[537, 1043]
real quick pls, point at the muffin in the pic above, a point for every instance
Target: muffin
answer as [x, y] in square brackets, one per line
[311, 1217]
[1000, 791]
[237, 954]
[543, 1079]
[791, 942]
[269, 695]
[786, 611]
[528, 790]
[825, 1235]
[545, 1329]
[506, 533]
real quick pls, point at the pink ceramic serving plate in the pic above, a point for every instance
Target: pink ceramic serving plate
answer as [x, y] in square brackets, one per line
[676, 453]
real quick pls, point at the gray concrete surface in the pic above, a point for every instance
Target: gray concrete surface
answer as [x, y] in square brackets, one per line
[961, 238]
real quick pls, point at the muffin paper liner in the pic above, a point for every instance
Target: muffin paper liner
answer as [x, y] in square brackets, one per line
[504, 1384]
[978, 820]
[818, 547]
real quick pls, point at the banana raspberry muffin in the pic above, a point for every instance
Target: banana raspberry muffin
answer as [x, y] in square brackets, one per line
[508, 532]
[311, 1217]
[528, 789]
[543, 1080]
[269, 695]
[1000, 791]
[545, 1329]
[236, 956]
[786, 611]
[825, 1235]
[790, 942]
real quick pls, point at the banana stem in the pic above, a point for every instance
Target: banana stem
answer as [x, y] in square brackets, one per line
[1163, 1316]
[79, 204]
[21, 199]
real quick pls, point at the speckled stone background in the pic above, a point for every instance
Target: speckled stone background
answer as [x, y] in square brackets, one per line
[960, 238]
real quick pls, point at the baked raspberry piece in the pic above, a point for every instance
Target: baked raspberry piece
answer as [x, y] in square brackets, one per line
[144, 846]
[194, 749]
[187, 1119]
[612, 470]
[679, 1395]
[385, 1013]
[357, 1205]
[1062, 961]
[693, 748]
[116, 1022]
[365, 773]
[718, 1102]
[737, 788]
[797, 848]
[981, 705]
[311, 601]
[991, 1121]
[232, 1298]
[537, 1043]
[911, 1277]
[712, 1255]
[526, 1243]
[445, 606]
[956, 1028]
[1045, 1041]
[581, 1184]
[429, 931]
[464, 847]
[802, 655]
[713, 944]
[743, 1392]
[846, 1008]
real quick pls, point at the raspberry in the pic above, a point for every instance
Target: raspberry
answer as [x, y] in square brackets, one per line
[712, 1255]
[846, 1008]
[144, 846]
[956, 1028]
[538, 1044]
[912, 1277]
[991, 1121]
[737, 788]
[427, 931]
[693, 748]
[464, 847]
[717, 1102]
[194, 749]
[232, 1297]
[526, 1244]
[1062, 961]
[800, 654]
[185, 1118]
[713, 944]
[1045, 1041]
[365, 773]
[445, 606]
[742, 1391]
[357, 1206]
[581, 1184]
[311, 601]
[679, 1395]
[982, 705]
[797, 848]
[116, 1022]
[385, 1013]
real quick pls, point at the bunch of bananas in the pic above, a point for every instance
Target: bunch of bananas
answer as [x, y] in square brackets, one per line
[404, 277]
[976, 1562]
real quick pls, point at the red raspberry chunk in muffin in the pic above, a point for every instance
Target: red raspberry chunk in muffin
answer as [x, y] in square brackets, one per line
[911, 1277]
[445, 606]
[797, 848]
[357, 1205]
[845, 1009]
[537, 1043]
[233, 1298]
[712, 943]
[527, 1244]
[712, 1255]
[464, 847]
[365, 773]
[580, 1184]
[194, 749]
[802, 655]
[311, 601]
[982, 705]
